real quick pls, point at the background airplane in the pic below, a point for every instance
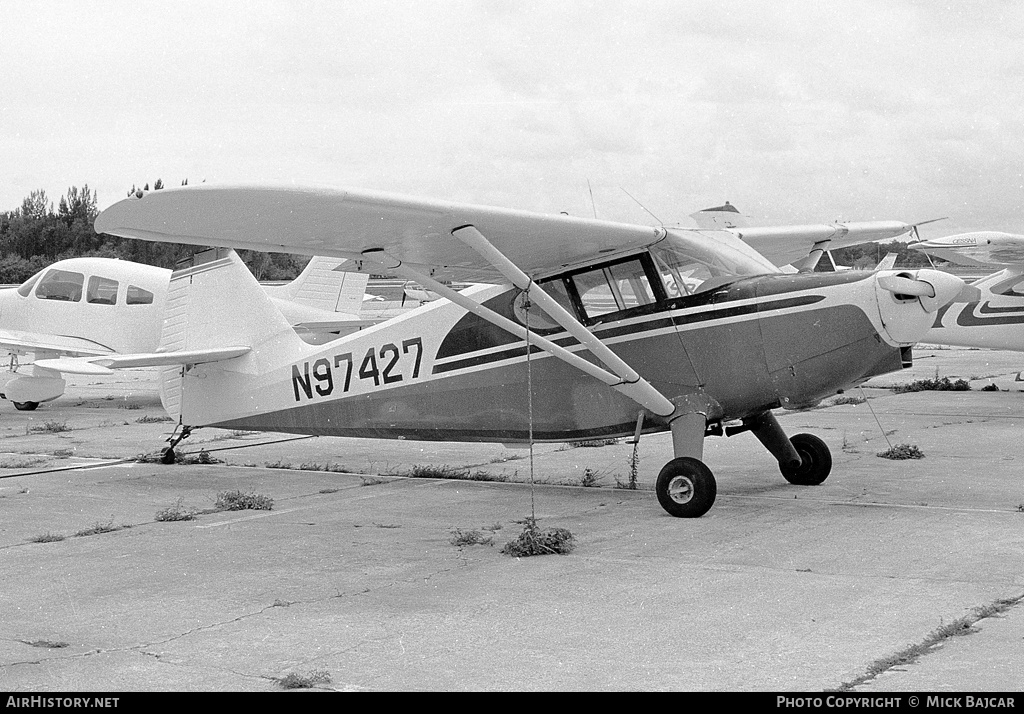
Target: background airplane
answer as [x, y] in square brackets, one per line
[996, 319]
[102, 306]
[587, 330]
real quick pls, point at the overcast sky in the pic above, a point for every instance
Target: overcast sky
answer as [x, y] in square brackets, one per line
[794, 111]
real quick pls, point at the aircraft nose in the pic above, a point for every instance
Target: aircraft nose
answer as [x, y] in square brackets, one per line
[933, 288]
[946, 289]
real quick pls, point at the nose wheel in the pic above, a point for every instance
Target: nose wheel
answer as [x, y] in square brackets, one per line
[686, 488]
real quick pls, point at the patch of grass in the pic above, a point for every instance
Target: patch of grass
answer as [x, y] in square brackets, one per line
[50, 427]
[311, 466]
[203, 457]
[100, 527]
[588, 444]
[63, 453]
[238, 501]
[47, 644]
[506, 457]
[14, 463]
[47, 538]
[147, 419]
[304, 681]
[451, 472]
[990, 388]
[462, 538]
[901, 451]
[843, 400]
[177, 512]
[373, 480]
[590, 478]
[534, 541]
[938, 385]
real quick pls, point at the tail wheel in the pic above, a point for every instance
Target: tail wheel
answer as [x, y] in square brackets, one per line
[815, 461]
[686, 488]
[25, 406]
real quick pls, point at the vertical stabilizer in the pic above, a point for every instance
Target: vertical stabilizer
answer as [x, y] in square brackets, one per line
[214, 301]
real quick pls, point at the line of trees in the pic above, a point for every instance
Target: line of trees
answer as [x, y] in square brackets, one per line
[36, 234]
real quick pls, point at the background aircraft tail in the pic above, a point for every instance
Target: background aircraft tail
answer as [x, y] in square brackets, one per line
[325, 285]
[213, 301]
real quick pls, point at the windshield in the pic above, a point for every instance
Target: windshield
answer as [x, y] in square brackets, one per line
[691, 262]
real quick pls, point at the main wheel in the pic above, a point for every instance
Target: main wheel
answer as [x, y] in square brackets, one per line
[815, 461]
[26, 406]
[686, 488]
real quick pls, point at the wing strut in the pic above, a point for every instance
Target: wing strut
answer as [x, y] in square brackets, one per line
[631, 384]
[638, 390]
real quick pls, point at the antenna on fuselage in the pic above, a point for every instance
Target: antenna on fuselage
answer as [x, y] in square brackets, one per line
[660, 222]
[593, 205]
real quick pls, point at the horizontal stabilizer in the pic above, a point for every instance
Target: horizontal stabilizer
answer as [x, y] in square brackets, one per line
[107, 364]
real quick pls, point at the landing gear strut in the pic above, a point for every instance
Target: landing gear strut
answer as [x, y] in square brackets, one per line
[685, 487]
[167, 455]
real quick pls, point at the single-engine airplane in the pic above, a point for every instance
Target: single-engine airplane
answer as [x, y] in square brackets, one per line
[996, 319]
[103, 306]
[580, 329]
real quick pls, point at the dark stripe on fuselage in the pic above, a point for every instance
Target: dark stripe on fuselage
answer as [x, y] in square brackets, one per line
[637, 328]
[472, 333]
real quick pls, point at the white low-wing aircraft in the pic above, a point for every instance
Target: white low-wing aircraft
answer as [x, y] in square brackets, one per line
[102, 306]
[595, 316]
[996, 318]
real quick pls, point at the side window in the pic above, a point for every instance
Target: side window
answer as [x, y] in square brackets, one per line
[138, 296]
[613, 288]
[538, 319]
[101, 291]
[61, 285]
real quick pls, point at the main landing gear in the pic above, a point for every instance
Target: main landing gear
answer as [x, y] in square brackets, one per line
[686, 488]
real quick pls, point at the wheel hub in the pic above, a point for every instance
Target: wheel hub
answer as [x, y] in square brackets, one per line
[680, 489]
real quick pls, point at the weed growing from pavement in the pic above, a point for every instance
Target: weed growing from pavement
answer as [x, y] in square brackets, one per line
[47, 538]
[50, 427]
[177, 512]
[100, 527]
[902, 451]
[311, 466]
[451, 472]
[843, 400]
[304, 681]
[238, 501]
[534, 541]
[937, 385]
[152, 419]
[462, 538]
[46, 644]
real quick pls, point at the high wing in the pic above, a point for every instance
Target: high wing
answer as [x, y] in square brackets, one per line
[979, 249]
[24, 341]
[345, 223]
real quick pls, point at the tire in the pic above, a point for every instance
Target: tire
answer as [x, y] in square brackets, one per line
[167, 456]
[815, 461]
[686, 488]
[26, 406]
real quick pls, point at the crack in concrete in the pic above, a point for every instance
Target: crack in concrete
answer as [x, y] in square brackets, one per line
[909, 655]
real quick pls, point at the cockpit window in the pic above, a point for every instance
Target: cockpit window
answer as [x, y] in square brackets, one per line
[138, 296]
[26, 287]
[613, 288]
[101, 291]
[61, 285]
[692, 264]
